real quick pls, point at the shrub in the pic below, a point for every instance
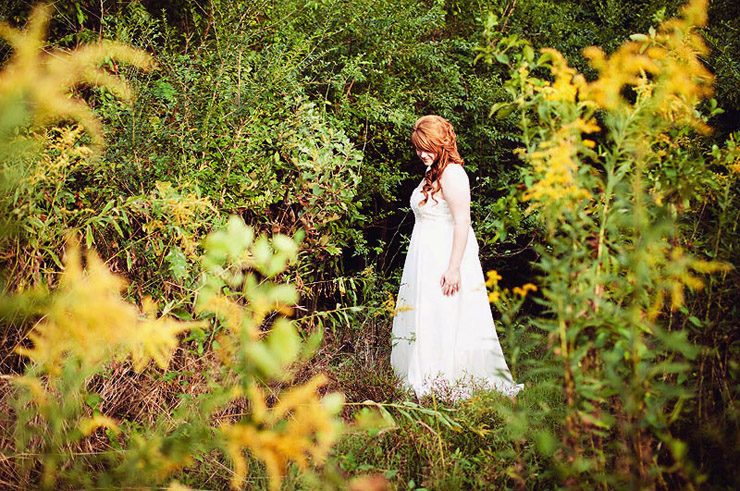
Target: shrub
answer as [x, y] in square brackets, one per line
[612, 170]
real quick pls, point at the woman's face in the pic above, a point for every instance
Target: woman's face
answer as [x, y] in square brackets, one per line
[426, 156]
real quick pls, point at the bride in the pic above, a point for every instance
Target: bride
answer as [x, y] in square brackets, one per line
[443, 332]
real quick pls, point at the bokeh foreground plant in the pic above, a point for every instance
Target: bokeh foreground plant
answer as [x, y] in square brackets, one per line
[614, 166]
[43, 79]
[85, 325]
[301, 425]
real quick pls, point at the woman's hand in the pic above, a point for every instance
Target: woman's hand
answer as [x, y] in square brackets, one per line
[450, 281]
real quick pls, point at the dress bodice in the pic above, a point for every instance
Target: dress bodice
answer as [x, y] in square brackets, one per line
[430, 212]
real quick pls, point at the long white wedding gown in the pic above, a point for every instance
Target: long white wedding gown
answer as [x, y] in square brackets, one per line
[438, 340]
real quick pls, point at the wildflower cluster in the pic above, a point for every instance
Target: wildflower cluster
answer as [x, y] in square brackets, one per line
[522, 290]
[44, 79]
[85, 325]
[63, 153]
[389, 304]
[665, 64]
[502, 296]
[664, 69]
[555, 153]
[676, 275]
[556, 164]
[616, 270]
[88, 321]
[177, 211]
[567, 81]
[492, 279]
[299, 426]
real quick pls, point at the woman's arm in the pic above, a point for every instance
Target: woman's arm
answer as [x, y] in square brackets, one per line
[456, 190]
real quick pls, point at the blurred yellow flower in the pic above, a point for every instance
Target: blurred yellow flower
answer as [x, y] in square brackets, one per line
[89, 425]
[88, 321]
[493, 278]
[522, 291]
[567, 80]
[45, 79]
[666, 66]
[300, 426]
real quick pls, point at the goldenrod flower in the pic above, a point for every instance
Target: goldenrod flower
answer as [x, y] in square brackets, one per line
[555, 164]
[522, 291]
[300, 426]
[493, 278]
[89, 321]
[666, 67]
[88, 425]
[45, 80]
[567, 79]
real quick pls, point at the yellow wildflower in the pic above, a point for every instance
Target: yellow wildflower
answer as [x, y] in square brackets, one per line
[522, 291]
[567, 79]
[90, 322]
[300, 426]
[89, 425]
[45, 79]
[493, 278]
[555, 164]
[666, 67]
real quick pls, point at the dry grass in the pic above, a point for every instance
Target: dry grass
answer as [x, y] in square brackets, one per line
[357, 360]
[9, 477]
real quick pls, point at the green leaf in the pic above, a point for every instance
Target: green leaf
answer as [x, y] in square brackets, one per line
[259, 354]
[178, 263]
[547, 444]
[283, 341]
[528, 53]
[502, 58]
[495, 108]
[504, 112]
[89, 239]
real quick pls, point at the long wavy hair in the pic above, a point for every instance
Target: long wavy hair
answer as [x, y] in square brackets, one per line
[435, 134]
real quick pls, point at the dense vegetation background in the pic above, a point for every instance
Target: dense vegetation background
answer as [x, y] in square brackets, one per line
[295, 116]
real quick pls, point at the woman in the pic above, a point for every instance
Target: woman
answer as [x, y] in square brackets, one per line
[443, 332]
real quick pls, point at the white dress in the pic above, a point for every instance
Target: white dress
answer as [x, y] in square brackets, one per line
[445, 341]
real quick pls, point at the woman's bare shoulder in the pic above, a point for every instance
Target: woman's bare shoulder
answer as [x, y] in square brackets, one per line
[455, 184]
[454, 174]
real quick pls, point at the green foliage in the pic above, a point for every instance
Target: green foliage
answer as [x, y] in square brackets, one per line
[614, 265]
[85, 326]
[294, 116]
[72, 344]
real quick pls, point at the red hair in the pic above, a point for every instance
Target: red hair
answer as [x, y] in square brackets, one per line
[435, 134]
